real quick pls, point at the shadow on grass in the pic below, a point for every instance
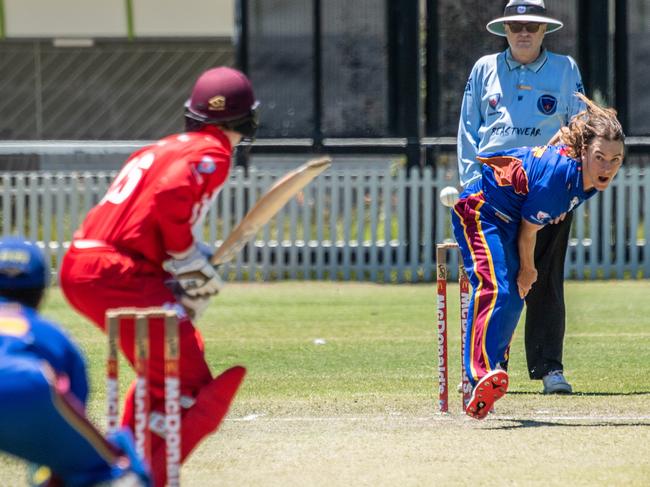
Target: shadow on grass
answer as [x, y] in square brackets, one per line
[563, 423]
[581, 394]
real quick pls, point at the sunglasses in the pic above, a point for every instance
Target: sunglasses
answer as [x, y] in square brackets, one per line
[517, 27]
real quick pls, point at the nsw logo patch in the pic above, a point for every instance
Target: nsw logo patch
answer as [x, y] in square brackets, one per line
[547, 104]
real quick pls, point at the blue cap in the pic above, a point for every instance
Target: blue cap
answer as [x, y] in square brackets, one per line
[22, 265]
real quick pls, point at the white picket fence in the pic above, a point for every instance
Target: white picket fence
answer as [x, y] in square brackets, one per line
[374, 225]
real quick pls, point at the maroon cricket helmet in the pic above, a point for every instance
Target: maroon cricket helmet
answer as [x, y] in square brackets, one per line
[224, 96]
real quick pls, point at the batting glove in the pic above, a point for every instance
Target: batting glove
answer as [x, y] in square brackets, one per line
[194, 273]
[194, 307]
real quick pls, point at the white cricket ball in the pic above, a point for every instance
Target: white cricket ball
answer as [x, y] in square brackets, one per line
[449, 196]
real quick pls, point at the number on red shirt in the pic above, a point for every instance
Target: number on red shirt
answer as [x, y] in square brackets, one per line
[128, 178]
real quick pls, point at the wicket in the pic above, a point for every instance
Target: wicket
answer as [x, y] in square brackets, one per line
[143, 420]
[463, 282]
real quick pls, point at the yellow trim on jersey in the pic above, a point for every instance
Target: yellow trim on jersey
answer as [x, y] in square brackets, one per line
[477, 291]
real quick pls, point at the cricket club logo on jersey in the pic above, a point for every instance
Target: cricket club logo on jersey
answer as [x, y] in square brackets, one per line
[575, 201]
[493, 100]
[547, 104]
[542, 217]
[207, 165]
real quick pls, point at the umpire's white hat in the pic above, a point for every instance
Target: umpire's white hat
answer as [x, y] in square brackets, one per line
[524, 11]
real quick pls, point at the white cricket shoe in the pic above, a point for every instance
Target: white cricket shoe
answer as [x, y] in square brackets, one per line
[555, 383]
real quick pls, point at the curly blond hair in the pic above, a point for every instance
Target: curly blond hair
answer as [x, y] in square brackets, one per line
[595, 121]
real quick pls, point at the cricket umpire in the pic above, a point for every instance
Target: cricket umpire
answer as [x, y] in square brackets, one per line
[521, 97]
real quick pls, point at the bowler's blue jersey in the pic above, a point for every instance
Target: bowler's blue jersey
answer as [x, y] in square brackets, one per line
[534, 183]
[25, 334]
[507, 104]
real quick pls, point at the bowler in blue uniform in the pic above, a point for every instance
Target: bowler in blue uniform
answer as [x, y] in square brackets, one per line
[522, 97]
[496, 220]
[43, 387]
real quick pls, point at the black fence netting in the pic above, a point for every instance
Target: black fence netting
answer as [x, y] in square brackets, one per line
[280, 54]
[334, 84]
[355, 72]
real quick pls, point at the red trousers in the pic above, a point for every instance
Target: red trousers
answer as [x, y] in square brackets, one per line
[99, 278]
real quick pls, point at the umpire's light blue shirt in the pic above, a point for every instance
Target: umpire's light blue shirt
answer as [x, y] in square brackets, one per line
[508, 104]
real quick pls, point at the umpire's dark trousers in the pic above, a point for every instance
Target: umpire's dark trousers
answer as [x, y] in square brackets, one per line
[545, 311]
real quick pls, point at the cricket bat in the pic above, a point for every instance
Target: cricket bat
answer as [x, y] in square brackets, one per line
[267, 206]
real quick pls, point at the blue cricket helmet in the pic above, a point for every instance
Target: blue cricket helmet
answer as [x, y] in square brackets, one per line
[22, 265]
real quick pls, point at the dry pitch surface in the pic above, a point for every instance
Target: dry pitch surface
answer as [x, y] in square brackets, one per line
[573, 442]
[530, 440]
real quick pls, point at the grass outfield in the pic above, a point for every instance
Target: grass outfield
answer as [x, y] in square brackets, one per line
[359, 409]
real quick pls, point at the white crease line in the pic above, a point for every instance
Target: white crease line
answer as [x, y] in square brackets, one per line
[250, 417]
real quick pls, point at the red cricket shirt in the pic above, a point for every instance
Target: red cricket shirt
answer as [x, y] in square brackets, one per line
[161, 191]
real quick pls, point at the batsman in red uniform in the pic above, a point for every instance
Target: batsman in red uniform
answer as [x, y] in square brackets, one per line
[139, 238]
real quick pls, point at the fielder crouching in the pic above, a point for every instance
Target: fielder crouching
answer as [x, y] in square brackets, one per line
[136, 249]
[44, 388]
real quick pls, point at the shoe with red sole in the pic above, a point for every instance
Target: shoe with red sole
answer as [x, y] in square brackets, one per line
[489, 389]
